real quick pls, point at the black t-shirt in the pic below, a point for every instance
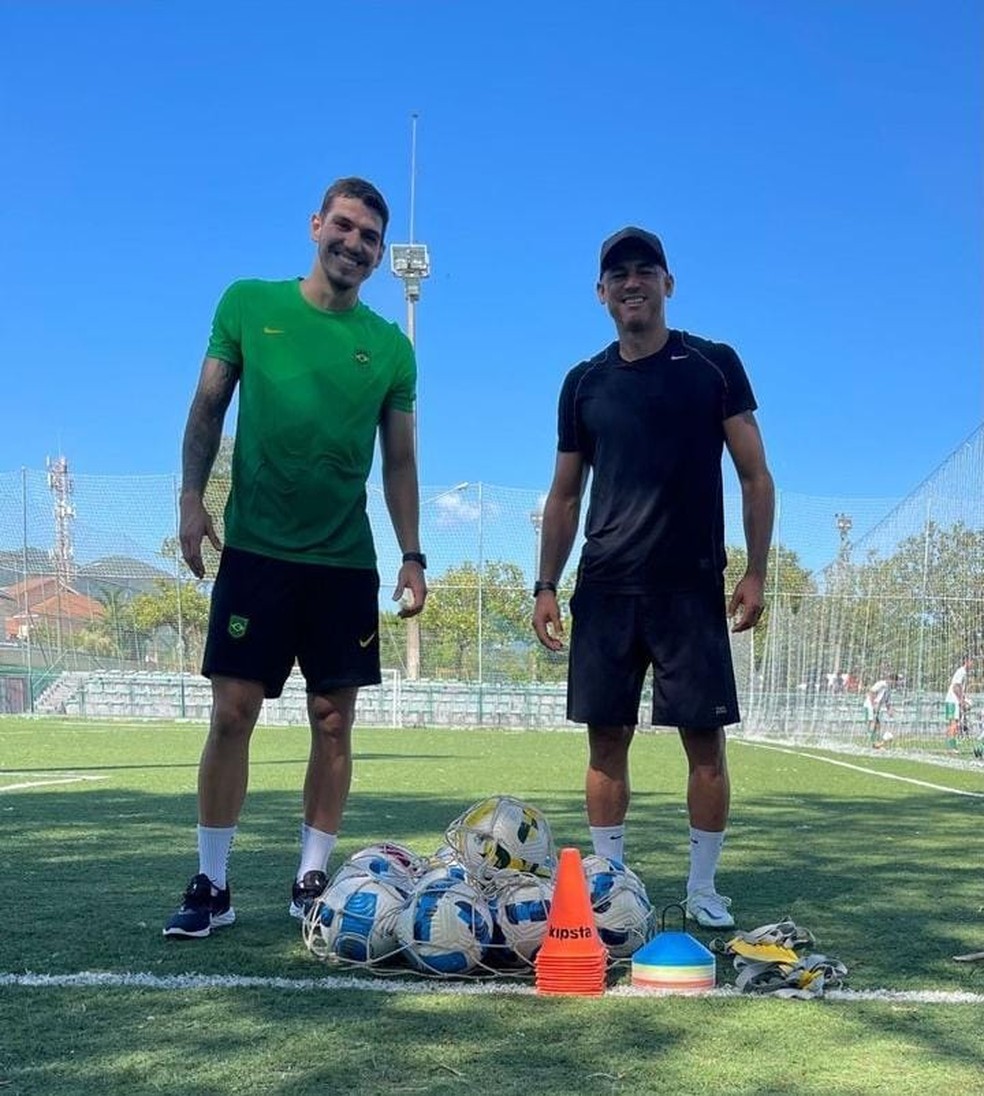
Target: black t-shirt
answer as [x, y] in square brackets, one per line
[652, 431]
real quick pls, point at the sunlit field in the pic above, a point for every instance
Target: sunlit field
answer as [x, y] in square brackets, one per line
[878, 856]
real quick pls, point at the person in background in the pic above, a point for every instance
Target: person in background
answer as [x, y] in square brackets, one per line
[878, 700]
[955, 703]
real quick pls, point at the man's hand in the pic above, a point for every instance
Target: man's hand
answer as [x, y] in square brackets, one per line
[547, 622]
[747, 603]
[411, 580]
[196, 524]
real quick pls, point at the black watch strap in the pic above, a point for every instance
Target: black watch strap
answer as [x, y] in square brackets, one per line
[416, 557]
[541, 586]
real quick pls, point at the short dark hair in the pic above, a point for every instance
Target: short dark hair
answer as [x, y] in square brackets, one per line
[354, 187]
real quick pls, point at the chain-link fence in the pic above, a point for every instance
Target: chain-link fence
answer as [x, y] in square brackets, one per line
[94, 601]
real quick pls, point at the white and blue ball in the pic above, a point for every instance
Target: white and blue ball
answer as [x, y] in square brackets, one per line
[376, 865]
[403, 860]
[624, 915]
[445, 926]
[521, 906]
[355, 919]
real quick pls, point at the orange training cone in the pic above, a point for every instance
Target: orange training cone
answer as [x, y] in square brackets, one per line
[572, 958]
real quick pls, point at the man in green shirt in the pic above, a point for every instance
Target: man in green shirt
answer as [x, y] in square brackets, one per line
[318, 373]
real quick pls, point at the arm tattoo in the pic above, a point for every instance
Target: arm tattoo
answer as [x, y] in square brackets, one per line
[203, 432]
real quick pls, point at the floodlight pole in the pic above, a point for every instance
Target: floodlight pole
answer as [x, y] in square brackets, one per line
[411, 264]
[844, 524]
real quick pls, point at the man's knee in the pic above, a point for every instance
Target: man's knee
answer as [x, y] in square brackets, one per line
[705, 749]
[235, 706]
[331, 714]
[609, 745]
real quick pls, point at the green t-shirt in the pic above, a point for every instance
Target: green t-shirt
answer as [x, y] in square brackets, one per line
[312, 388]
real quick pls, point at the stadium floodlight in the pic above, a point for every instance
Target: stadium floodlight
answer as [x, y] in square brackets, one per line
[410, 262]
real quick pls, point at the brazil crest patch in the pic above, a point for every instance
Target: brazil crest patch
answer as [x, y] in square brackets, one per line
[238, 626]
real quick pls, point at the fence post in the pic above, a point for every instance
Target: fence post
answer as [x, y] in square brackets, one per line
[177, 586]
[27, 604]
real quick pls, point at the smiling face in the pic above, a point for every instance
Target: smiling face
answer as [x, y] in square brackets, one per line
[634, 288]
[349, 236]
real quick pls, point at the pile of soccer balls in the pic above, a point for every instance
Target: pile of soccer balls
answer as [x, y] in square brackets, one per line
[478, 905]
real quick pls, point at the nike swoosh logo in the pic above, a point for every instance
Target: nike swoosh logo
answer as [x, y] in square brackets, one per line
[365, 642]
[272, 331]
[678, 357]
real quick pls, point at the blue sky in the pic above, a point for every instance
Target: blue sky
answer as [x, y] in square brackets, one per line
[815, 171]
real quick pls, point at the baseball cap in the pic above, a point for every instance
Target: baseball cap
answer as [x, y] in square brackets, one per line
[638, 235]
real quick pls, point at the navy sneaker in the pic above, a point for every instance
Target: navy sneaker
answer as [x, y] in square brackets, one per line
[306, 892]
[203, 908]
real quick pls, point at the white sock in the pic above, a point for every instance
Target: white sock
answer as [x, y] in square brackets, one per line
[609, 841]
[705, 848]
[214, 843]
[316, 849]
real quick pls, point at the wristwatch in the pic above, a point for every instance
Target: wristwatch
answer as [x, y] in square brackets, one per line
[416, 557]
[542, 586]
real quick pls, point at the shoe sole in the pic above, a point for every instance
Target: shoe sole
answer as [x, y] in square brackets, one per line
[218, 921]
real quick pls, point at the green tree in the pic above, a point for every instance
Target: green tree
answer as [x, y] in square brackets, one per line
[178, 608]
[788, 583]
[449, 628]
[117, 626]
[923, 605]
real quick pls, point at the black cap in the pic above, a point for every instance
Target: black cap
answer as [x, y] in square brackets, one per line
[639, 235]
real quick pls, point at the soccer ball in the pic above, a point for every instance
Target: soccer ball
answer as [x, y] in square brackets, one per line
[403, 860]
[354, 918]
[503, 832]
[623, 913]
[887, 737]
[521, 906]
[441, 870]
[445, 857]
[376, 861]
[444, 926]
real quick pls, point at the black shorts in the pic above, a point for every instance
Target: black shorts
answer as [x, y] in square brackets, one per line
[683, 635]
[268, 612]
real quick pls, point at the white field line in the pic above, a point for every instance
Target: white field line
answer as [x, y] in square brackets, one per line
[93, 979]
[859, 768]
[46, 783]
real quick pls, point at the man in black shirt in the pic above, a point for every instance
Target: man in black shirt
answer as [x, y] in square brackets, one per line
[649, 418]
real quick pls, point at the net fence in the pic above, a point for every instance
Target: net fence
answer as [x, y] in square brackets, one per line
[100, 617]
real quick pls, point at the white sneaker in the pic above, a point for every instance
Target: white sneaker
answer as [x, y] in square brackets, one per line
[710, 910]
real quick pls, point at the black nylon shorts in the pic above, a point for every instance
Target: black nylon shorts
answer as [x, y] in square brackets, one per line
[682, 634]
[266, 613]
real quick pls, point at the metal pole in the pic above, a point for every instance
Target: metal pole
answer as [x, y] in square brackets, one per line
[413, 172]
[27, 605]
[922, 597]
[177, 586]
[774, 621]
[481, 588]
[536, 520]
[410, 264]
[413, 624]
[481, 604]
